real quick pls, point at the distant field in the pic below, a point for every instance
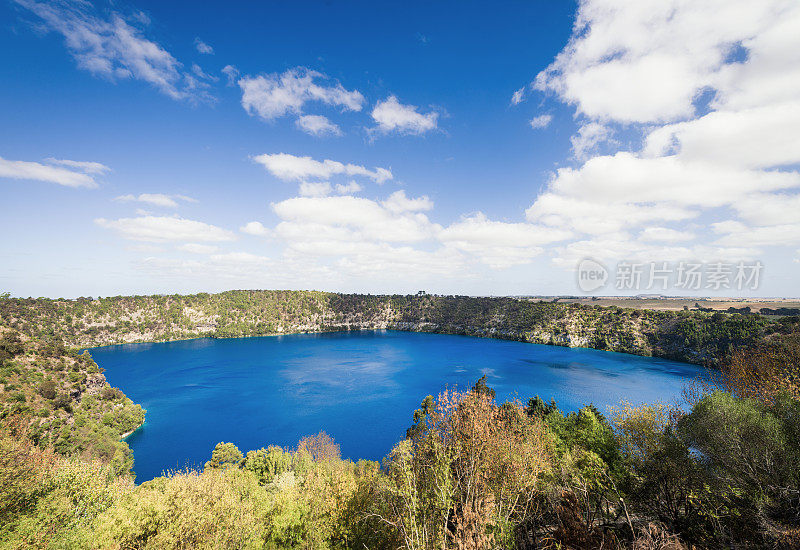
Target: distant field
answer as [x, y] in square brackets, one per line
[678, 303]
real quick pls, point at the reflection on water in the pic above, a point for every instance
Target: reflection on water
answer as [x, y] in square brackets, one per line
[359, 387]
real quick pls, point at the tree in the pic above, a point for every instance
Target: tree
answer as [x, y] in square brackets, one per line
[319, 447]
[268, 463]
[750, 450]
[470, 475]
[225, 455]
[481, 388]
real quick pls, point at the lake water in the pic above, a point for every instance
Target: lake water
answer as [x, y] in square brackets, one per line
[360, 387]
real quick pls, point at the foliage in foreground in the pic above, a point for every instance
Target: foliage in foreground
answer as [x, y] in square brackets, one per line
[470, 475]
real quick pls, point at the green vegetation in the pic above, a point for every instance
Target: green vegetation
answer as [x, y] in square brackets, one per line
[58, 398]
[694, 336]
[722, 471]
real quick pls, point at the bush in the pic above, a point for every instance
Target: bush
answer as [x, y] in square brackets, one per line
[47, 389]
[225, 455]
[218, 509]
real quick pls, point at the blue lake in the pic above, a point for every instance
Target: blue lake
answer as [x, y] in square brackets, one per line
[360, 387]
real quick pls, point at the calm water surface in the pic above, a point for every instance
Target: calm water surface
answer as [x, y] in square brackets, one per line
[360, 387]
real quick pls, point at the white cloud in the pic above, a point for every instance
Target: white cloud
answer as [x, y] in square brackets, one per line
[293, 168]
[518, 96]
[200, 73]
[196, 248]
[231, 72]
[582, 215]
[348, 188]
[94, 168]
[347, 218]
[665, 234]
[392, 116]
[713, 88]
[541, 121]
[359, 237]
[760, 137]
[156, 199]
[166, 229]
[500, 244]
[399, 203]
[315, 188]
[76, 173]
[202, 47]
[317, 125]
[271, 96]
[626, 177]
[738, 234]
[646, 61]
[256, 229]
[767, 209]
[115, 48]
[588, 137]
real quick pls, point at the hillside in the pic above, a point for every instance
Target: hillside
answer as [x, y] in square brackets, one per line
[59, 398]
[692, 336]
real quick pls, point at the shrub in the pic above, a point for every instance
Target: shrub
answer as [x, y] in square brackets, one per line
[47, 389]
[225, 455]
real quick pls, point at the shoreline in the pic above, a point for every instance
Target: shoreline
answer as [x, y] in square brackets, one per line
[126, 435]
[461, 331]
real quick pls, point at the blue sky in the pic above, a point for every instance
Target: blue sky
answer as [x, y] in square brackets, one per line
[470, 148]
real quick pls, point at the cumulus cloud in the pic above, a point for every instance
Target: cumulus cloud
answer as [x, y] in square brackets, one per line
[646, 61]
[293, 168]
[500, 244]
[317, 125]
[156, 199]
[713, 88]
[348, 218]
[315, 188]
[392, 116]
[256, 229]
[166, 229]
[115, 47]
[69, 173]
[398, 202]
[271, 96]
[348, 188]
[363, 237]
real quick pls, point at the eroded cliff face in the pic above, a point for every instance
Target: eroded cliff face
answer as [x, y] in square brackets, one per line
[691, 336]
